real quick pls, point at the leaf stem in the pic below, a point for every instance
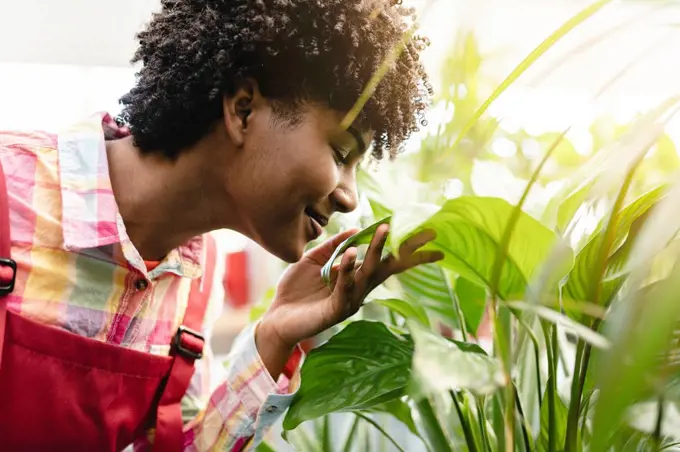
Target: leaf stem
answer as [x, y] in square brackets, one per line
[467, 431]
[433, 429]
[523, 422]
[350, 436]
[481, 416]
[656, 436]
[381, 430]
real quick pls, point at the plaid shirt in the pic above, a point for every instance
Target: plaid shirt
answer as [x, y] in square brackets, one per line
[78, 270]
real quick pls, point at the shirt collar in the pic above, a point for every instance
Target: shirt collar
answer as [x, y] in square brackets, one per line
[90, 215]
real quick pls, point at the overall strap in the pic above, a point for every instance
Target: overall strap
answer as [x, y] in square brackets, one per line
[7, 266]
[187, 347]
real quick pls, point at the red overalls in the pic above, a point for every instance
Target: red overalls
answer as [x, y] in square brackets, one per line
[64, 392]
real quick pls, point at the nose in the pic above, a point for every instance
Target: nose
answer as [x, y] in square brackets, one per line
[345, 197]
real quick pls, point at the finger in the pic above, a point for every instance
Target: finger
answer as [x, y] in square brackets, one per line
[417, 258]
[344, 286]
[420, 239]
[374, 253]
[324, 251]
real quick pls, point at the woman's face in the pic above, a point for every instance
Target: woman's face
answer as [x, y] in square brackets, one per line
[288, 179]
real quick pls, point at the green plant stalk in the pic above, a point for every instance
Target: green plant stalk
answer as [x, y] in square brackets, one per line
[326, 436]
[583, 350]
[551, 387]
[526, 329]
[523, 422]
[659, 422]
[481, 415]
[381, 430]
[456, 305]
[433, 429]
[467, 431]
[495, 280]
[350, 436]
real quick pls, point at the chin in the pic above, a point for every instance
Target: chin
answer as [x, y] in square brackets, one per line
[289, 252]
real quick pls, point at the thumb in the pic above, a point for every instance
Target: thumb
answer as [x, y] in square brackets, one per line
[323, 252]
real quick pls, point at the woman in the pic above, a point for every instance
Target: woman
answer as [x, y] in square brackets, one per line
[235, 121]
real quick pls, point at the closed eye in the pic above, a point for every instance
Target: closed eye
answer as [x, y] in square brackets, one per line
[341, 156]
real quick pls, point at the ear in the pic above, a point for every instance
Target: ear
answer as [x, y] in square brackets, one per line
[239, 108]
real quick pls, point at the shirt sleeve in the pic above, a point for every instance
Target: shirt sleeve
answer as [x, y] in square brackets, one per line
[245, 403]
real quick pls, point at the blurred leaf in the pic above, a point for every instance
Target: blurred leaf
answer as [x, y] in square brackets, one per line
[640, 335]
[543, 47]
[582, 278]
[405, 309]
[567, 209]
[440, 365]
[360, 238]
[472, 299]
[605, 169]
[663, 224]
[583, 332]
[363, 365]
[469, 230]
[565, 153]
[264, 447]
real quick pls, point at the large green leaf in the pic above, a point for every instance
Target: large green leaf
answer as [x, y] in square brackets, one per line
[469, 230]
[362, 366]
[440, 365]
[581, 279]
[426, 285]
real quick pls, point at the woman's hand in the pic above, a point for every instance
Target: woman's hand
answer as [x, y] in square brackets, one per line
[305, 306]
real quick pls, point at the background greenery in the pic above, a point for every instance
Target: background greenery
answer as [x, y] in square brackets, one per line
[549, 325]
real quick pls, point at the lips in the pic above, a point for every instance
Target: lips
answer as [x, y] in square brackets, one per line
[320, 218]
[317, 221]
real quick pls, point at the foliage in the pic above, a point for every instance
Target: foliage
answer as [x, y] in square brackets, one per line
[583, 319]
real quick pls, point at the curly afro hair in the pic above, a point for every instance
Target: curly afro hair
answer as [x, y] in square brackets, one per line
[195, 52]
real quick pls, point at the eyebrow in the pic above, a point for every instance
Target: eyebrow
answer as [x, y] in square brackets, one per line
[357, 136]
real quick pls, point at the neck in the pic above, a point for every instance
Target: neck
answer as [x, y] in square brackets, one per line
[160, 203]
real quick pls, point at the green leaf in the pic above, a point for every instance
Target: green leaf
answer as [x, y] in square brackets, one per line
[640, 334]
[405, 309]
[440, 365]
[425, 285]
[472, 299]
[581, 279]
[583, 332]
[264, 447]
[360, 238]
[469, 230]
[559, 422]
[363, 365]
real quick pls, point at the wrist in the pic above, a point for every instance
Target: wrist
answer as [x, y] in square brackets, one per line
[269, 336]
[273, 350]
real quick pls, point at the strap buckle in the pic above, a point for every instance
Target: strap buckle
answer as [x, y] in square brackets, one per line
[184, 351]
[7, 284]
